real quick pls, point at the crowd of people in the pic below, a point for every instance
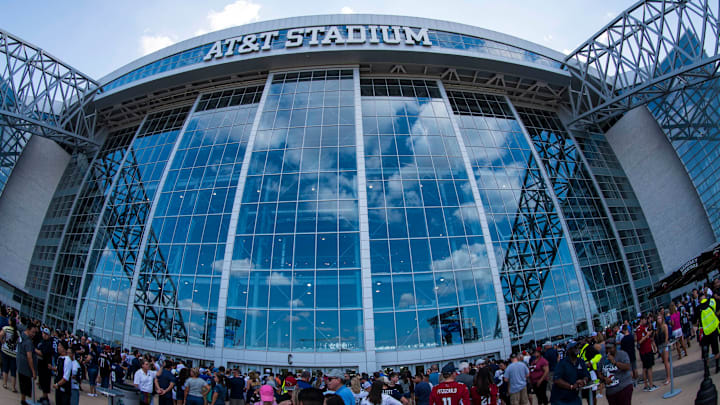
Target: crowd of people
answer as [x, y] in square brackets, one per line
[603, 363]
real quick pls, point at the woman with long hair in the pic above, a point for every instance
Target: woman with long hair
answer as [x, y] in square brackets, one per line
[677, 331]
[661, 341]
[358, 393]
[376, 396]
[9, 337]
[219, 390]
[179, 388]
[484, 390]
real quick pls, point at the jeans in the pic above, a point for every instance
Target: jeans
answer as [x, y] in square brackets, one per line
[193, 400]
[92, 375]
[74, 396]
[105, 381]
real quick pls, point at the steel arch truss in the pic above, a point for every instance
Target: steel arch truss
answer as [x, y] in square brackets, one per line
[41, 95]
[652, 51]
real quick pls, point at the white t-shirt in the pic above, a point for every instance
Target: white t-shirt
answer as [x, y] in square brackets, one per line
[360, 396]
[386, 400]
[144, 381]
[75, 371]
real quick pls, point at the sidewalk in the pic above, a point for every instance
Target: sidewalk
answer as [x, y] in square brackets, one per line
[688, 376]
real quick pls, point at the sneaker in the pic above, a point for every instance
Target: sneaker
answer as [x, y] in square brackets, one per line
[646, 389]
[653, 388]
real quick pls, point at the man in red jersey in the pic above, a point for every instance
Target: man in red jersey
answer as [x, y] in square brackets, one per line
[449, 392]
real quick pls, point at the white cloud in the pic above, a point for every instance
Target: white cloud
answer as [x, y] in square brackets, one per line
[234, 14]
[151, 43]
[347, 10]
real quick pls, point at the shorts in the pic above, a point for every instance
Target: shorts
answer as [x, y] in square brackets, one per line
[677, 334]
[633, 364]
[648, 360]
[707, 340]
[92, 373]
[25, 382]
[8, 364]
[519, 398]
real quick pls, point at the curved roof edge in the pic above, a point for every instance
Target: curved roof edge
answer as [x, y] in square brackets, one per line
[332, 19]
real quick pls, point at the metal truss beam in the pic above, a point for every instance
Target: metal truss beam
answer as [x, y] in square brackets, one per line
[649, 54]
[41, 95]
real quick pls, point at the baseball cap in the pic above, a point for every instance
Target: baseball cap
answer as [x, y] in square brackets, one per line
[366, 385]
[449, 368]
[267, 393]
[481, 361]
[335, 373]
[290, 383]
[46, 331]
[464, 365]
[571, 344]
[546, 344]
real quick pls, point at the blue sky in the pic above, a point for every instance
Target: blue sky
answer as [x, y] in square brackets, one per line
[99, 36]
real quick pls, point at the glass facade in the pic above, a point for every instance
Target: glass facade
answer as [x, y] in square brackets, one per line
[431, 277]
[295, 279]
[536, 269]
[475, 209]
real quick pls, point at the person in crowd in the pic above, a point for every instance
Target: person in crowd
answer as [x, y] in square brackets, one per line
[267, 395]
[336, 384]
[75, 379]
[310, 396]
[484, 390]
[179, 389]
[63, 375]
[305, 378]
[551, 355]
[449, 391]
[357, 390]
[616, 372]
[219, 390]
[143, 381]
[422, 389]
[105, 367]
[26, 363]
[706, 315]
[516, 376]
[92, 366]
[644, 338]
[9, 337]
[434, 375]
[570, 376]
[376, 396]
[236, 384]
[46, 353]
[539, 377]
[662, 338]
[677, 331]
[165, 381]
[464, 376]
[627, 344]
[195, 388]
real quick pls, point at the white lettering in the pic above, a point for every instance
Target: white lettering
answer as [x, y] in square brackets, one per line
[249, 44]
[294, 37]
[216, 51]
[351, 30]
[411, 38]
[386, 35]
[446, 390]
[267, 38]
[231, 45]
[313, 31]
[333, 35]
[373, 34]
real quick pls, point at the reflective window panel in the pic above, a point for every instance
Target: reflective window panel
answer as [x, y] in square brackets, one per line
[597, 249]
[182, 263]
[295, 272]
[431, 278]
[536, 269]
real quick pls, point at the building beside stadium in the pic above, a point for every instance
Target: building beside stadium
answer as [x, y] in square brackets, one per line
[360, 191]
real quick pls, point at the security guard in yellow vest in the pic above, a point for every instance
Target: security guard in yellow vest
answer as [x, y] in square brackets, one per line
[592, 358]
[706, 312]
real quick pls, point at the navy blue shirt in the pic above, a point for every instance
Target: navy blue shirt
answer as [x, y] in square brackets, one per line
[551, 355]
[569, 373]
[237, 387]
[422, 393]
[222, 392]
[627, 344]
[164, 379]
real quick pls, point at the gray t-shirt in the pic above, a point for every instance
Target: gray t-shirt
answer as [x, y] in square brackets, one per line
[516, 374]
[620, 378]
[25, 346]
[195, 386]
[466, 379]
